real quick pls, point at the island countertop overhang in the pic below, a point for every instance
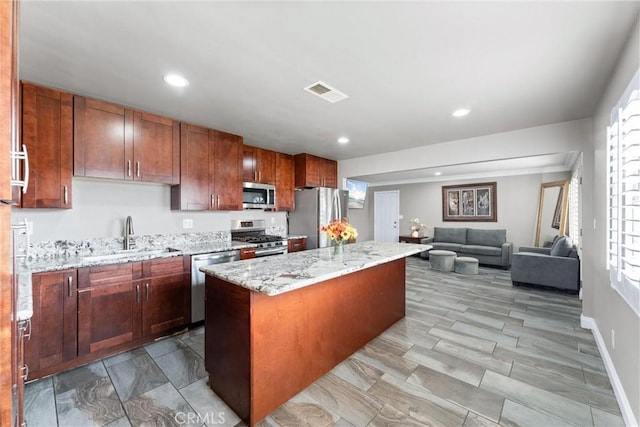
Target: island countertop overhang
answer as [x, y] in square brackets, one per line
[278, 274]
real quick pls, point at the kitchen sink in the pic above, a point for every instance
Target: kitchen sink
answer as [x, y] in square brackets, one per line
[132, 253]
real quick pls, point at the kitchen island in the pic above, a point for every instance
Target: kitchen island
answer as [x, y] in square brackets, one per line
[274, 325]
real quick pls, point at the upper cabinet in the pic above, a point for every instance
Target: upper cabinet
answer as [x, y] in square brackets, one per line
[210, 172]
[111, 141]
[258, 165]
[285, 179]
[47, 132]
[314, 171]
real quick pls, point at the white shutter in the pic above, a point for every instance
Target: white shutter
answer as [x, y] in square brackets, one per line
[623, 196]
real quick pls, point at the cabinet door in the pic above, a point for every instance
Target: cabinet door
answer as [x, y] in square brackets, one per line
[166, 295]
[103, 139]
[109, 306]
[266, 166]
[307, 170]
[285, 177]
[54, 321]
[226, 174]
[47, 131]
[297, 245]
[249, 171]
[156, 148]
[193, 193]
[166, 304]
[329, 173]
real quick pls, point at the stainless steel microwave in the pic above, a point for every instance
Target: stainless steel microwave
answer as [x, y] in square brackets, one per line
[258, 196]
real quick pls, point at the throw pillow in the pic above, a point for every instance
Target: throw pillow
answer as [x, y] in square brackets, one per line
[561, 247]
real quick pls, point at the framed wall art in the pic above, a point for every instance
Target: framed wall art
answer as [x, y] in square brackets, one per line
[469, 202]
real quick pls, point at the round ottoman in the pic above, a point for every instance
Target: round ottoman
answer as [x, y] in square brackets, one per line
[466, 265]
[442, 260]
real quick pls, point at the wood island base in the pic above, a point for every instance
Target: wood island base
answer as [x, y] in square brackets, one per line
[262, 350]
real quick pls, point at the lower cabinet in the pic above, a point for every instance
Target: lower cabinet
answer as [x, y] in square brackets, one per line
[247, 253]
[53, 337]
[297, 245]
[80, 315]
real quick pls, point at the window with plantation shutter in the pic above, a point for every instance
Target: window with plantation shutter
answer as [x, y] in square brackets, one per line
[623, 204]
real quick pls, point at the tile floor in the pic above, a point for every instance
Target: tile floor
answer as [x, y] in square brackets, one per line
[472, 351]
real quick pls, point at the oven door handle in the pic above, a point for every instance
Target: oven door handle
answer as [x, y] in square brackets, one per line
[276, 250]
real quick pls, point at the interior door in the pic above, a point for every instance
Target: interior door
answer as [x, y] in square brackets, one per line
[386, 212]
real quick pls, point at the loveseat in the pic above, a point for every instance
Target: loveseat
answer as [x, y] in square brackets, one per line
[490, 247]
[557, 267]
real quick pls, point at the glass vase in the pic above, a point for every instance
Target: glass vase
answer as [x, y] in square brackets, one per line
[338, 248]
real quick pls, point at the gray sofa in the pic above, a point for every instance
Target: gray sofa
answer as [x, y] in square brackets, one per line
[557, 267]
[490, 247]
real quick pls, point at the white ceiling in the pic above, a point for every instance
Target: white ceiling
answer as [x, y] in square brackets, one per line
[404, 65]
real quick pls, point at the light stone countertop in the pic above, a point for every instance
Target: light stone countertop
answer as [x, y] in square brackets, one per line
[24, 308]
[278, 274]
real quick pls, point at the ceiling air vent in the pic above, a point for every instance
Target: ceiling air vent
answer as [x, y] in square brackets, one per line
[325, 92]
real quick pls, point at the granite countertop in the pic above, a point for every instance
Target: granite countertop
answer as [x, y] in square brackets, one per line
[78, 261]
[283, 273]
[24, 308]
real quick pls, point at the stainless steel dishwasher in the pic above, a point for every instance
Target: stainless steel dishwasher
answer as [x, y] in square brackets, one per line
[197, 278]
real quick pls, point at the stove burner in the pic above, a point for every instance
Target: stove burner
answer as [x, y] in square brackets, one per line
[264, 238]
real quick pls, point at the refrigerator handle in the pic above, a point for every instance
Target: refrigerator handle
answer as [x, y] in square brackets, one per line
[339, 205]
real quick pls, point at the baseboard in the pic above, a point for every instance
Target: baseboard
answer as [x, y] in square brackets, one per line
[621, 396]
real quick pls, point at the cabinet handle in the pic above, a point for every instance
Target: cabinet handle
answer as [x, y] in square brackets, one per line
[25, 368]
[213, 205]
[255, 175]
[138, 169]
[137, 293]
[128, 167]
[218, 200]
[66, 195]
[70, 286]
[25, 329]
[146, 285]
[259, 176]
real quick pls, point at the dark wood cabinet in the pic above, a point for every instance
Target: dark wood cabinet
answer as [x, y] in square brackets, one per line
[103, 139]
[53, 335]
[166, 297]
[121, 303]
[211, 170]
[111, 141]
[108, 306]
[47, 132]
[247, 253]
[285, 182]
[226, 177]
[297, 245]
[314, 171]
[156, 148]
[258, 165]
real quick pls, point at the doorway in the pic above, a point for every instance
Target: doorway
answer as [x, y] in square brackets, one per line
[386, 212]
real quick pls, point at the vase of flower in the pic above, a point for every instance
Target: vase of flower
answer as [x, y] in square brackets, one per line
[340, 231]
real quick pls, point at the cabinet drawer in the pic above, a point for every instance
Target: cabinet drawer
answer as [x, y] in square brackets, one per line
[163, 266]
[108, 274]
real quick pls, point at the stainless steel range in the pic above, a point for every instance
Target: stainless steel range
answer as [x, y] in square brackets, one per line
[253, 231]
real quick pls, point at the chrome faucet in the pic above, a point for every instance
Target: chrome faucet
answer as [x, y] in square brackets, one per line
[128, 234]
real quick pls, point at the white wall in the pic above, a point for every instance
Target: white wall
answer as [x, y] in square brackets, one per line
[517, 205]
[549, 139]
[601, 302]
[100, 207]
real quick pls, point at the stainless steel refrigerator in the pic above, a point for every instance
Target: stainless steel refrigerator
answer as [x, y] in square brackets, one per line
[314, 208]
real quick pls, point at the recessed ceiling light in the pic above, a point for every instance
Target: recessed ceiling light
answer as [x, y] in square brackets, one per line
[437, 173]
[343, 140]
[175, 80]
[461, 112]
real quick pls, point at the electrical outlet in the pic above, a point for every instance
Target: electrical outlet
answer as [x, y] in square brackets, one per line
[273, 220]
[400, 216]
[29, 227]
[613, 339]
[187, 223]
